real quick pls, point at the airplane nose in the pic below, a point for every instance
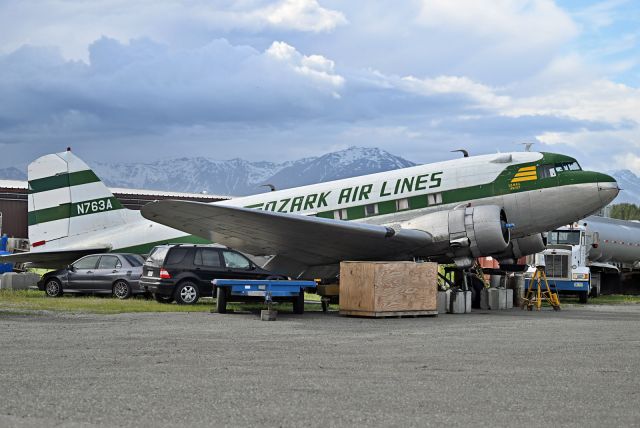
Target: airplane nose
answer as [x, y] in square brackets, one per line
[607, 188]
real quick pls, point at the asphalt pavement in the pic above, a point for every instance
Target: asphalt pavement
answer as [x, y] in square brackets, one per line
[576, 367]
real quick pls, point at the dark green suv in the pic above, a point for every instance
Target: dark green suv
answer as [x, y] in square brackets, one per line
[184, 273]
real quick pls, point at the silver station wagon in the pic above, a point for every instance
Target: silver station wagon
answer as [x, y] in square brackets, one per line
[110, 273]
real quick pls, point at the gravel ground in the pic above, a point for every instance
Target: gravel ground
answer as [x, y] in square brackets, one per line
[577, 367]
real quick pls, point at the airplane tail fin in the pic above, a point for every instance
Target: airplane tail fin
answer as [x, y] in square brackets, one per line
[66, 198]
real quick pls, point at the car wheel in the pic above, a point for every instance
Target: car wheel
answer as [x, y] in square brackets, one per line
[221, 300]
[187, 293]
[162, 299]
[53, 287]
[121, 289]
[298, 303]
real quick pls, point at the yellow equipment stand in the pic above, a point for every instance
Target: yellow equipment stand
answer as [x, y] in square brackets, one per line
[535, 293]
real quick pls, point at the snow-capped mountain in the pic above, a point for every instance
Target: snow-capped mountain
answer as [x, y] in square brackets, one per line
[13, 173]
[630, 185]
[239, 177]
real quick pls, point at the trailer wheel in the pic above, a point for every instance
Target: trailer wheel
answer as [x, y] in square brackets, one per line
[298, 303]
[221, 300]
[583, 297]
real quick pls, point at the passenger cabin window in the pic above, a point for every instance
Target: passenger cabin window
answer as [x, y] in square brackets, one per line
[207, 257]
[109, 262]
[434, 199]
[87, 263]
[546, 171]
[235, 260]
[176, 255]
[157, 256]
[134, 259]
[402, 204]
[370, 209]
[340, 214]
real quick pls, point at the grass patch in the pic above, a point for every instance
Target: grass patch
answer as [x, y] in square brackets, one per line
[20, 301]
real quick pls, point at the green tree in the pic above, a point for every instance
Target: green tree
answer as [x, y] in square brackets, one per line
[625, 211]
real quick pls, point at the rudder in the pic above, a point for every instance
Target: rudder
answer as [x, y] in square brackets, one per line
[66, 198]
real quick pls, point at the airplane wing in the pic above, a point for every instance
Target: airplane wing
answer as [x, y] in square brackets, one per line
[50, 259]
[306, 239]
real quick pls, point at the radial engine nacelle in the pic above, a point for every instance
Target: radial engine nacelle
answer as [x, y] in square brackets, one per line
[465, 233]
[521, 247]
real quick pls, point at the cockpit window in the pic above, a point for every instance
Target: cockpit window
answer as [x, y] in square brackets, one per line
[568, 166]
[546, 171]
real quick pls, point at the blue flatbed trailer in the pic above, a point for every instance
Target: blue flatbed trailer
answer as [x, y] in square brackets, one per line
[247, 290]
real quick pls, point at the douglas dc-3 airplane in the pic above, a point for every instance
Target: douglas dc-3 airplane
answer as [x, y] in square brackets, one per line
[454, 211]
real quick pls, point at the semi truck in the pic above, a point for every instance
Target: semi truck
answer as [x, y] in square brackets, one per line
[587, 258]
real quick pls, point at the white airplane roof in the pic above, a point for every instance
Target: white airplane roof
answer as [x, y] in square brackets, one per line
[17, 184]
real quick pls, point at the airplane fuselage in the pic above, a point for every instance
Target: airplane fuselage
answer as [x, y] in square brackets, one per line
[538, 192]
[534, 199]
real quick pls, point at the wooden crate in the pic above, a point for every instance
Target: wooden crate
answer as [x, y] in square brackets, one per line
[388, 289]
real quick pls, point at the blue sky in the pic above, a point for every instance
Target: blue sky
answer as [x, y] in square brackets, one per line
[139, 81]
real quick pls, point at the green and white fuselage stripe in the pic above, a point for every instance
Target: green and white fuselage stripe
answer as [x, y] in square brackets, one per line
[384, 187]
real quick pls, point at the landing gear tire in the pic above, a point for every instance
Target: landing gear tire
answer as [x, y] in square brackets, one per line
[53, 288]
[122, 290]
[162, 299]
[583, 297]
[187, 293]
[221, 300]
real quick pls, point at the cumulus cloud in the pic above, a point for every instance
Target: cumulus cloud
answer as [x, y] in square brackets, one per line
[145, 85]
[316, 67]
[73, 25]
[291, 78]
[302, 15]
[540, 22]
[482, 94]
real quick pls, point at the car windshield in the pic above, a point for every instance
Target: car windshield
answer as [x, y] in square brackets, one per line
[568, 237]
[235, 260]
[157, 256]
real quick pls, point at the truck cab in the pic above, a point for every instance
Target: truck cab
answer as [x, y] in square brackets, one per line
[566, 258]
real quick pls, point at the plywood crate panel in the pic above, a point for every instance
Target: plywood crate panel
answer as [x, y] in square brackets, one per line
[378, 289]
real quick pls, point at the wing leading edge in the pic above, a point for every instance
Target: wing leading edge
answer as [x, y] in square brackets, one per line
[306, 239]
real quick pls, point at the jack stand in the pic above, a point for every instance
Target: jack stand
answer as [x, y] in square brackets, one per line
[477, 271]
[535, 296]
[268, 314]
